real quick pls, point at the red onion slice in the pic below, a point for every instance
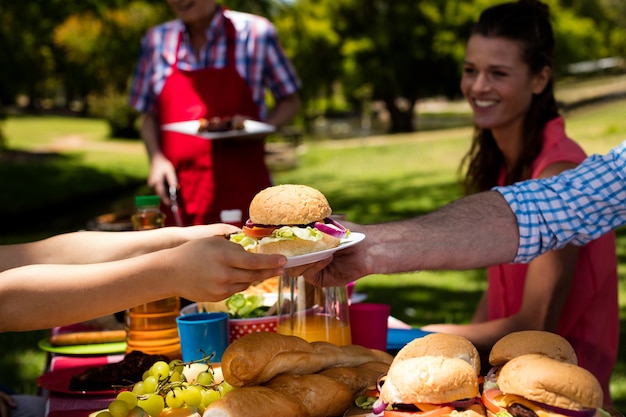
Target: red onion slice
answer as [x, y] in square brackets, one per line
[331, 227]
[379, 406]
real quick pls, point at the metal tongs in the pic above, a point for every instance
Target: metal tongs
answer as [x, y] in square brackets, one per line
[174, 205]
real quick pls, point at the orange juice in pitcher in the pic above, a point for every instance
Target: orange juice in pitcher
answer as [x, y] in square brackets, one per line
[313, 313]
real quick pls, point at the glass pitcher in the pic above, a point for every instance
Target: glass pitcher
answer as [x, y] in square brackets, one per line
[313, 313]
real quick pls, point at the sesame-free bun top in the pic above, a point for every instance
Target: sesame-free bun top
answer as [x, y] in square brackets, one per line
[289, 204]
[550, 381]
[532, 341]
[441, 344]
[429, 379]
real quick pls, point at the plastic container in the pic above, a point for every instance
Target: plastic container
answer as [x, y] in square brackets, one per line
[313, 313]
[151, 328]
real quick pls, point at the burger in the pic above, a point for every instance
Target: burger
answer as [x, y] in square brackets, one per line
[442, 344]
[435, 375]
[536, 385]
[289, 219]
[428, 386]
[525, 342]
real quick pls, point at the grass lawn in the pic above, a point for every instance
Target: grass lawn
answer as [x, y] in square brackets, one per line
[369, 179]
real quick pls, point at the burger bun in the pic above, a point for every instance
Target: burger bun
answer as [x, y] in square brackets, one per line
[532, 341]
[442, 344]
[429, 379]
[289, 204]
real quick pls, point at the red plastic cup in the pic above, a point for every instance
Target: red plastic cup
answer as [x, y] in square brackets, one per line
[368, 325]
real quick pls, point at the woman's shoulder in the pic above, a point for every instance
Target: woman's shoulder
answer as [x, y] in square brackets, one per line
[558, 150]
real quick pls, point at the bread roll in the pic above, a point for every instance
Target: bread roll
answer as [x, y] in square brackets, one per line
[359, 378]
[328, 393]
[320, 396]
[258, 357]
[257, 402]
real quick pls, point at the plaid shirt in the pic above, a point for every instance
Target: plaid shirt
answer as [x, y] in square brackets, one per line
[259, 58]
[575, 207]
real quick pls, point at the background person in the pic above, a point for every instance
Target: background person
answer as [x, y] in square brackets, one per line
[18, 405]
[210, 62]
[508, 82]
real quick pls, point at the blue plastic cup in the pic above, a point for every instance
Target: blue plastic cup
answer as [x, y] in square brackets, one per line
[203, 334]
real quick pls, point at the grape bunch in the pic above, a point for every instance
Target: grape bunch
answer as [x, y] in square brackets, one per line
[168, 389]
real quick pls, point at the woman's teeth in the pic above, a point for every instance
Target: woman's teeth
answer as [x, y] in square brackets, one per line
[484, 103]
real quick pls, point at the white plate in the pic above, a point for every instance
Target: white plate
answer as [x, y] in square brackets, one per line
[250, 128]
[310, 258]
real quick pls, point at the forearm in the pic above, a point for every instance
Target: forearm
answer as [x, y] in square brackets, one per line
[89, 247]
[63, 294]
[284, 111]
[94, 247]
[472, 232]
[150, 135]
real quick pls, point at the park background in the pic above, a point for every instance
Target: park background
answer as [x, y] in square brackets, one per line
[381, 132]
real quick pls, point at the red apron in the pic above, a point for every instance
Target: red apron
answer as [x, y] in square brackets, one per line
[213, 175]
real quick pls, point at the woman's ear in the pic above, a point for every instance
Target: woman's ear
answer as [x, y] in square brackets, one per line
[541, 79]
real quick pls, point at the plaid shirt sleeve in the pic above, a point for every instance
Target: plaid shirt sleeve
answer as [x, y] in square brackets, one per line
[279, 74]
[575, 207]
[141, 95]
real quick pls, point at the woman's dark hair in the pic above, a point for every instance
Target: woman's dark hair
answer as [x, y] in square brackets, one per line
[526, 22]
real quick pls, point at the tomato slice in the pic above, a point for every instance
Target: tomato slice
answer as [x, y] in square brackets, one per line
[489, 400]
[259, 232]
[440, 411]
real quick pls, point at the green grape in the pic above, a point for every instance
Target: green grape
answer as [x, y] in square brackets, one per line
[128, 397]
[174, 398]
[153, 404]
[150, 384]
[104, 413]
[145, 375]
[225, 387]
[137, 412]
[192, 396]
[210, 396]
[205, 378]
[160, 370]
[177, 366]
[139, 388]
[118, 408]
[175, 376]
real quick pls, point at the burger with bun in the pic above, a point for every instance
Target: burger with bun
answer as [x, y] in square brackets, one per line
[289, 219]
[536, 385]
[525, 342]
[428, 386]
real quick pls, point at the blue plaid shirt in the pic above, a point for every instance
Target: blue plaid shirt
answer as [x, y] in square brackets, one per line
[575, 207]
[259, 58]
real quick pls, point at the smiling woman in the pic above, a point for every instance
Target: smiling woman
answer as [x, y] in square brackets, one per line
[520, 135]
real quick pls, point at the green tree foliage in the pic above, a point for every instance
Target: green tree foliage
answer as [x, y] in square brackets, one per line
[396, 52]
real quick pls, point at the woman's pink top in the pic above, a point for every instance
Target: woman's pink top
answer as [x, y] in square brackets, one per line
[590, 319]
